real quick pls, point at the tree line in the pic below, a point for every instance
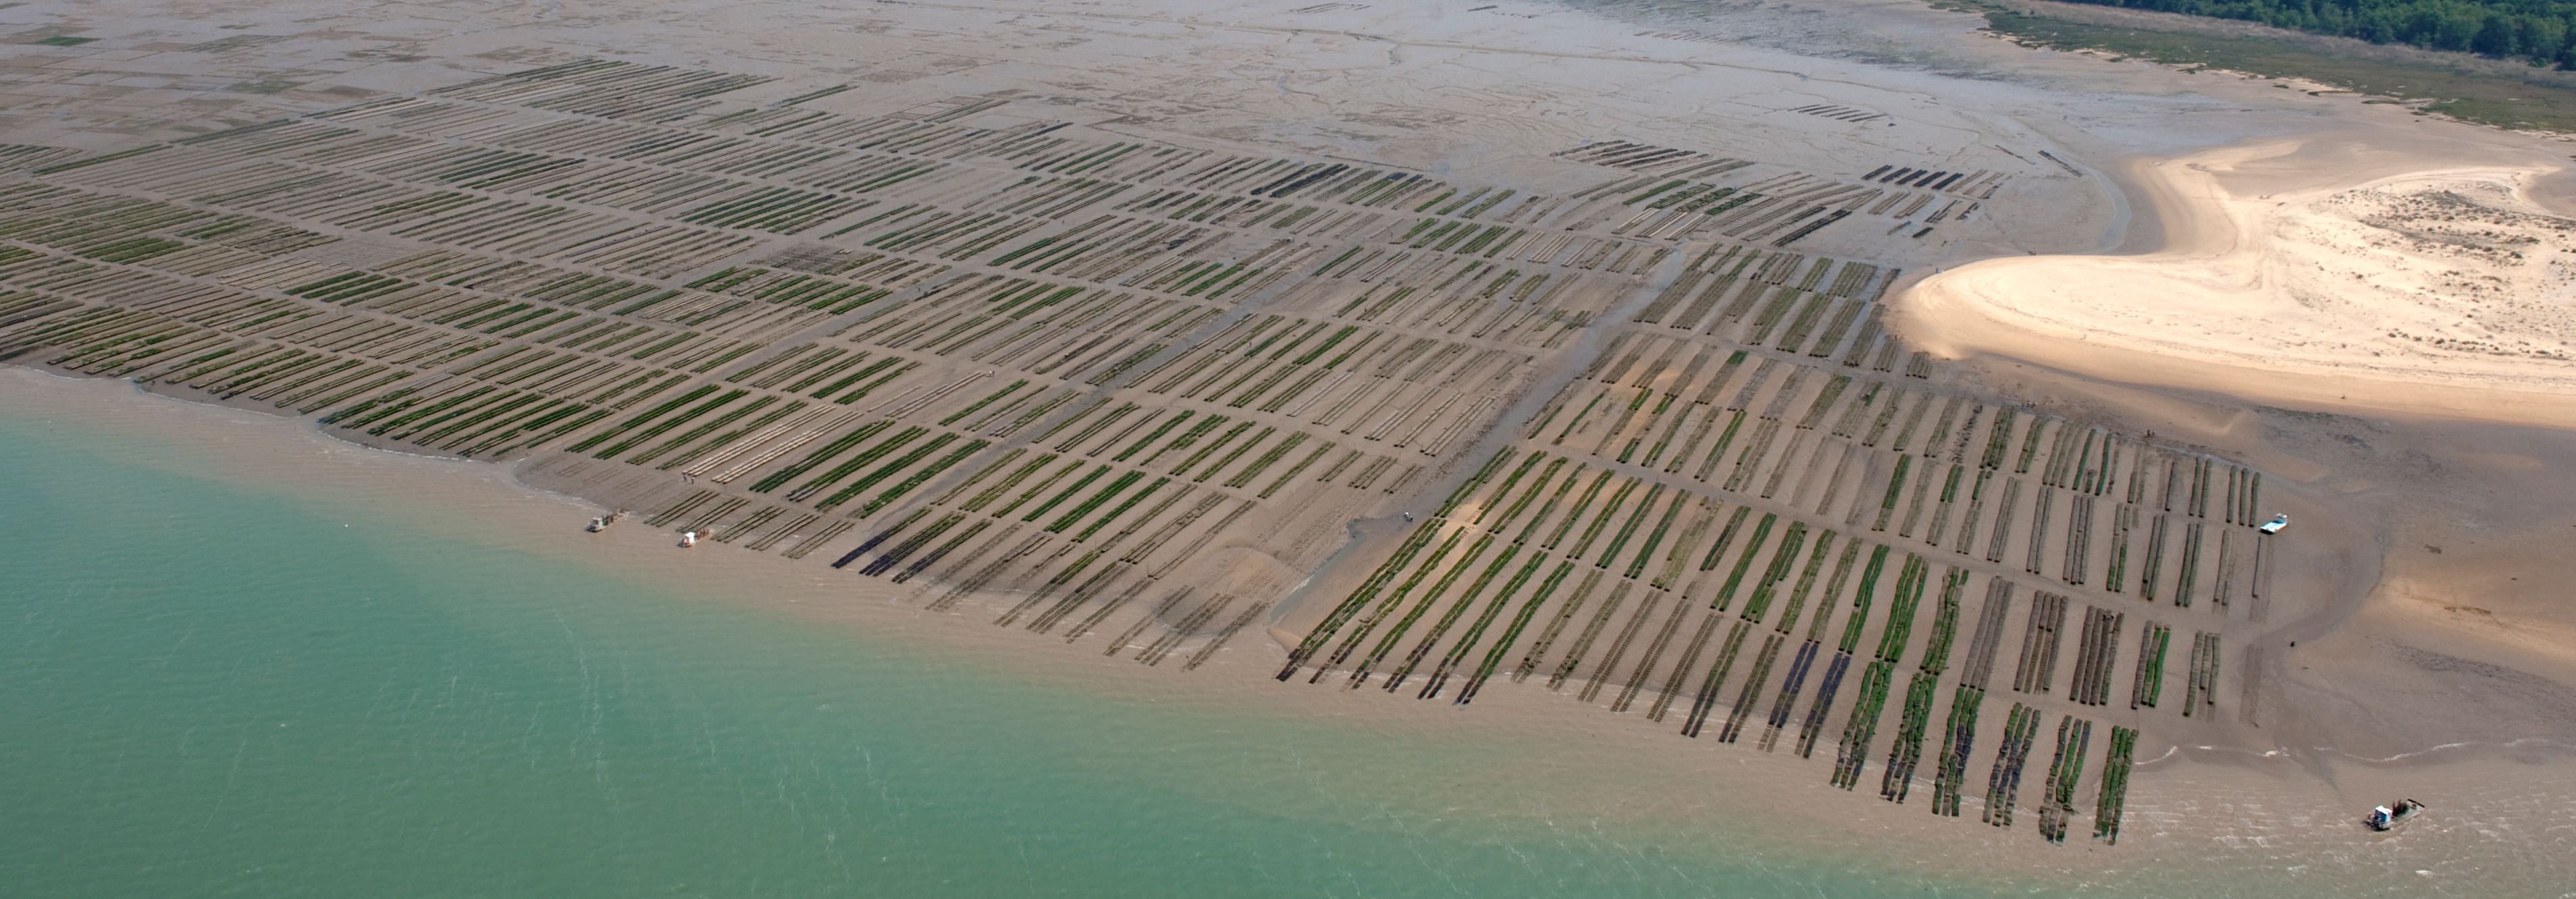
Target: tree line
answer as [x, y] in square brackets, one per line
[2537, 31]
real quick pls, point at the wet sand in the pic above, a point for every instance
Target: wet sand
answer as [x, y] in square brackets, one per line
[2445, 471]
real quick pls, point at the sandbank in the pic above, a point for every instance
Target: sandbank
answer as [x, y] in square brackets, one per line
[2260, 292]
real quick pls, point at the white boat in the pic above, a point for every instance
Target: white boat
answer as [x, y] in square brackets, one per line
[601, 523]
[2391, 817]
[688, 539]
[2275, 525]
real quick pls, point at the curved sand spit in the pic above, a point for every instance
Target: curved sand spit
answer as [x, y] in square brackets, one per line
[2442, 291]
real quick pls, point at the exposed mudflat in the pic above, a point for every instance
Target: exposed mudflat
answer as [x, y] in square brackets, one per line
[1603, 361]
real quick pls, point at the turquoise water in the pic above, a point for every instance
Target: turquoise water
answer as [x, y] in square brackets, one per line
[306, 707]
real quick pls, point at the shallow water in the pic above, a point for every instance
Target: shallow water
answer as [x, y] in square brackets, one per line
[218, 690]
[222, 687]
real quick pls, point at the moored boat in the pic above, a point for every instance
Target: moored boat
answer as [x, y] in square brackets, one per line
[2391, 817]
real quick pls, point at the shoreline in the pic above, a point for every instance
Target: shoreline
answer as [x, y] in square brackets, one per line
[2412, 463]
[1616, 766]
[2210, 241]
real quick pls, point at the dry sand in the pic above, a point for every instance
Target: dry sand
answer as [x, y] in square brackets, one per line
[2300, 271]
[2383, 314]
